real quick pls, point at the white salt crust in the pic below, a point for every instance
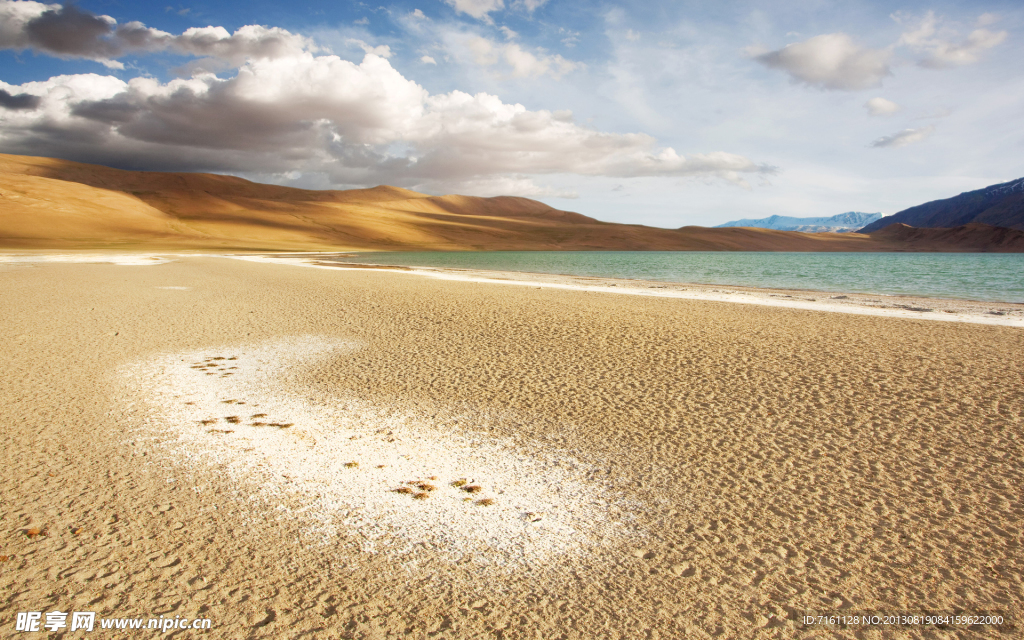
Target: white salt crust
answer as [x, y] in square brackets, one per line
[544, 506]
[126, 259]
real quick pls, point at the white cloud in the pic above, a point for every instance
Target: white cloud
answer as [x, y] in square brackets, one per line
[417, 14]
[523, 63]
[940, 46]
[904, 138]
[632, 36]
[570, 38]
[881, 107]
[830, 61]
[252, 41]
[986, 19]
[477, 8]
[947, 54]
[480, 9]
[529, 5]
[834, 61]
[383, 50]
[355, 123]
[428, 60]
[920, 34]
[485, 52]
[364, 20]
[526, 64]
[471, 46]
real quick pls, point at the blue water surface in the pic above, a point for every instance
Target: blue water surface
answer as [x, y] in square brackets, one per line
[991, 277]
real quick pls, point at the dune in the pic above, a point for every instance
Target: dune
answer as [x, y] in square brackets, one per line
[47, 203]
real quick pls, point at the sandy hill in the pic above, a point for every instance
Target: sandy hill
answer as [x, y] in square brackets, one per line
[56, 204]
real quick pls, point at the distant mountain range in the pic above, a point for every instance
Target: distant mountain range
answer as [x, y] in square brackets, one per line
[1001, 205]
[850, 221]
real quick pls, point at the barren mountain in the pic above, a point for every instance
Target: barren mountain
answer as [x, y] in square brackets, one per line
[1001, 205]
[56, 204]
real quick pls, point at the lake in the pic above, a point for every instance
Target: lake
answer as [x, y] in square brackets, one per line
[991, 277]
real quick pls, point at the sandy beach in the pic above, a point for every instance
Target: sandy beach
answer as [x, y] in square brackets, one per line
[363, 453]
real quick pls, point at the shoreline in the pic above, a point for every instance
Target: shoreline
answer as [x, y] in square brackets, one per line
[912, 307]
[1008, 314]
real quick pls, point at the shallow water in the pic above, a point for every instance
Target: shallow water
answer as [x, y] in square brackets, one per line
[994, 277]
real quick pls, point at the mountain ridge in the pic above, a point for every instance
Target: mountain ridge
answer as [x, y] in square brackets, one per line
[998, 205]
[849, 221]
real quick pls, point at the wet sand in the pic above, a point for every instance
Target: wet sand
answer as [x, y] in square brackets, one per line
[204, 437]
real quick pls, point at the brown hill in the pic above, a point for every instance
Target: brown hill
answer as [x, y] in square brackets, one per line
[56, 204]
[975, 236]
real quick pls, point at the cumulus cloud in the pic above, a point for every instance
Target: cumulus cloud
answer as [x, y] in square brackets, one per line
[830, 61]
[881, 107]
[68, 32]
[19, 101]
[904, 138]
[354, 123]
[287, 111]
[834, 61]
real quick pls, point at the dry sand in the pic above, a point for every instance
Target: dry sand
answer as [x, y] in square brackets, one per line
[183, 434]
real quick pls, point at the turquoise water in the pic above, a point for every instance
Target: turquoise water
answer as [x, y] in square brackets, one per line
[994, 277]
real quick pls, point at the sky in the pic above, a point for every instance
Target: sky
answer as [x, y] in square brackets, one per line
[659, 113]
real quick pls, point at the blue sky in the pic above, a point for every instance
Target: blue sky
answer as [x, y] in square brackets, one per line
[665, 114]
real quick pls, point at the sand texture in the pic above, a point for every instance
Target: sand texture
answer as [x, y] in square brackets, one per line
[339, 453]
[50, 204]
